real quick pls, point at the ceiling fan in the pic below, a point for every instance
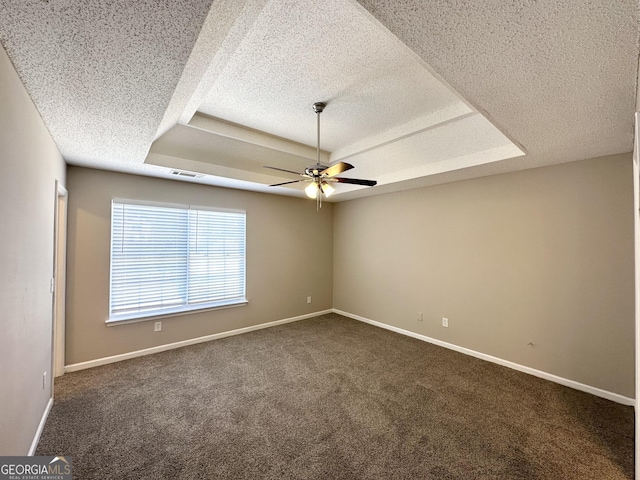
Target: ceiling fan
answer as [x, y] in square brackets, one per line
[320, 177]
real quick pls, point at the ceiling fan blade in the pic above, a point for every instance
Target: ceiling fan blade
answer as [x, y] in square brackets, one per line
[283, 170]
[355, 181]
[285, 183]
[336, 169]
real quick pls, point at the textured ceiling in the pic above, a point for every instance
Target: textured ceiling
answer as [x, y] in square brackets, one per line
[418, 93]
[298, 53]
[387, 113]
[558, 76]
[101, 73]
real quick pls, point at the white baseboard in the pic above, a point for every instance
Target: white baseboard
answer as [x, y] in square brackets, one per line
[531, 371]
[483, 356]
[43, 420]
[192, 341]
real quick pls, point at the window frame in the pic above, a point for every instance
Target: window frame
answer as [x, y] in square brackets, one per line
[184, 309]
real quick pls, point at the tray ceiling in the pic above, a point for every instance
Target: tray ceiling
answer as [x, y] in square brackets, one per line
[417, 93]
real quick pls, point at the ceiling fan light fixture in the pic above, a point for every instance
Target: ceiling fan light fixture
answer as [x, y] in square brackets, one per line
[321, 176]
[327, 189]
[311, 190]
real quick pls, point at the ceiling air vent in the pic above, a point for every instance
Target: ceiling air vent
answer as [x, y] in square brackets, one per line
[180, 173]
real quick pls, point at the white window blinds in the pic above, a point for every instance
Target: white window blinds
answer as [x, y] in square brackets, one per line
[169, 259]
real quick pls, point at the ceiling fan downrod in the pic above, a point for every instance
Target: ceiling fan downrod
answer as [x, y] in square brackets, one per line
[318, 107]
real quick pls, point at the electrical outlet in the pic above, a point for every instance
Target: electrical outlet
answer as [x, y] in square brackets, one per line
[445, 322]
[420, 318]
[44, 380]
[309, 299]
[157, 327]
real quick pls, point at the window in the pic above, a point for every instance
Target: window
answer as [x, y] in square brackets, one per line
[170, 259]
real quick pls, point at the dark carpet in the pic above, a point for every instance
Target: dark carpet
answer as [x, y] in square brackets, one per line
[330, 398]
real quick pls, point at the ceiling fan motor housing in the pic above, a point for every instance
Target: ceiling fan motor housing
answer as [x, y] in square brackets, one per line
[318, 107]
[314, 170]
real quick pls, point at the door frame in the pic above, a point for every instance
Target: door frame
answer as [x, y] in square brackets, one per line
[59, 281]
[636, 232]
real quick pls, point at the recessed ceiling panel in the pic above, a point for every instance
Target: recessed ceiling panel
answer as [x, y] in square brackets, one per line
[298, 53]
[387, 112]
[460, 143]
[207, 149]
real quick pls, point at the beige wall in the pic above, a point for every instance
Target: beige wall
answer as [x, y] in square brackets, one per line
[542, 256]
[31, 164]
[285, 236]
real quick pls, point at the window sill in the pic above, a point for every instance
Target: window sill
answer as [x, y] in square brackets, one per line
[141, 317]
